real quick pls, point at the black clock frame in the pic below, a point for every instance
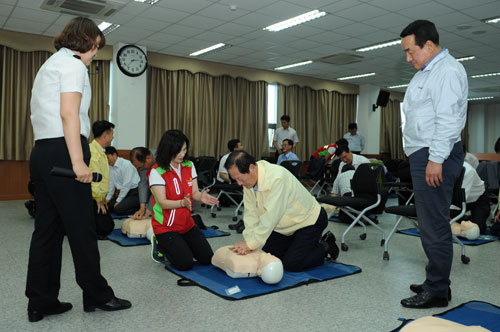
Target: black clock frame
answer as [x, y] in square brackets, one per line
[123, 70]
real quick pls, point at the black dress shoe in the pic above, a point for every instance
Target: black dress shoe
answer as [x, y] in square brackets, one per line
[236, 225]
[333, 249]
[424, 300]
[36, 315]
[417, 288]
[241, 229]
[112, 305]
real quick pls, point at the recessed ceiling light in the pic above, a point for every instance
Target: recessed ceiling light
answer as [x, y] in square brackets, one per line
[485, 75]
[397, 86]
[381, 45]
[312, 15]
[480, 98]
[492, 20]
[293, 65]
[149, 2]
[209, 49]
[355, 76]
[466, 58]
[107, 27]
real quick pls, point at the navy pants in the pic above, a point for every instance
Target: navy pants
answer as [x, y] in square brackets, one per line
[302, 249]
[433, 211]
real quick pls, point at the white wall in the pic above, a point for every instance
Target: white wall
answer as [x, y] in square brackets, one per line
[484, 127]
[369, 121]
[128, 106]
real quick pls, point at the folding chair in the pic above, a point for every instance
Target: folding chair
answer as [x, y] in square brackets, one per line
[294, 166]
[228, 189]
[315, 175]
[206, 171]
[410, 211]
[367, 195]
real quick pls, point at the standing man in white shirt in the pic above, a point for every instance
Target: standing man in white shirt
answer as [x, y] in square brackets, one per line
[435, 107]
[355, 139]
[284, 132]
[122, 176]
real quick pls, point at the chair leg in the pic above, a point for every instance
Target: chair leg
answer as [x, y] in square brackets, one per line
[386, 244]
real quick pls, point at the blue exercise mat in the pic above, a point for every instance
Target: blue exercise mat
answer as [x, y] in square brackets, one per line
[118, 237]
[217, 281]
[470, 313]
[482, 239]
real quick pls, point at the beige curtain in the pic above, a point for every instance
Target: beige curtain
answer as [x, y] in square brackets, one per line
[17, 73]
[209, 110]
[99, 77]
[391, 136]
[320, 117]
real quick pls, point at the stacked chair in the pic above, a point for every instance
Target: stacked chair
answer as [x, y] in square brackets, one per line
[294, 166]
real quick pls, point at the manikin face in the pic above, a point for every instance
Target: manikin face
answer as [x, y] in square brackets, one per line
[247, 180]
[346, 157]
[180, 156]
[418, 56]
[286, 147]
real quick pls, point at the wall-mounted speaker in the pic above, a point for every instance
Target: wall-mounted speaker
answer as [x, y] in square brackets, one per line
[382, 99]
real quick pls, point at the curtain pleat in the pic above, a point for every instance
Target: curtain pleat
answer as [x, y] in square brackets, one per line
[320, 117]
[209, 110]
[99, 77]
[391, 136]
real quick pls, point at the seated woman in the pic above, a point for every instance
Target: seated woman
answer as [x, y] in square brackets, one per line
[173, 183]
[257, 263]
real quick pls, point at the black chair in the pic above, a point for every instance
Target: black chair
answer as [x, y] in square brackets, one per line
[228, 190]
[367, 195]
[294, 166]
[206, 170]
[410, 211]
[315, 176]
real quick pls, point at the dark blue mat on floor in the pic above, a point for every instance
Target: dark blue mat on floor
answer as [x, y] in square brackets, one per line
[471, 313]
[118, 237]
[482, 239]
[217, 281]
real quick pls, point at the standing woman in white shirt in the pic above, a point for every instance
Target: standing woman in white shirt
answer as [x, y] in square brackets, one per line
[59, 114]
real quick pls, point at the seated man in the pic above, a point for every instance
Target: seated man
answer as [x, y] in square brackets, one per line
[470, 158]
[143, 160]
[257, 263]
[232, 145]
[342, 184]
[347, 157]
[326, 151]
[476, 197]
[103, 135]
[286, 148]
[280, 215]
[122, 176]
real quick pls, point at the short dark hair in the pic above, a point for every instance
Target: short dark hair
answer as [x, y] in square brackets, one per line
[341, 149]
[242, 160]
[347, 167]
[233, 144]
[285, 117]
[353, 125]
[289, 141]
[111, 150]
[80, 34]
[497, 146]
[140, 153]
[342, 141]
[423, 30]
[100, 126]
[170, 145]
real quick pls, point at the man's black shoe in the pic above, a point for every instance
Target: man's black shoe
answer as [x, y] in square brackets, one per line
[237, 225]
[424, 300]
[36, 315]
[112, 305]
[417, 288]
[241, 229]
[333, 250]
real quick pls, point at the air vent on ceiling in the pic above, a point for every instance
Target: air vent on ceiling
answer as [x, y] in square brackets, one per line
[92, 8]
[341, 59]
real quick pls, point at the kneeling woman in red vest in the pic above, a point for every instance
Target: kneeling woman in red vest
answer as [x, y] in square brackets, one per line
[174, 185]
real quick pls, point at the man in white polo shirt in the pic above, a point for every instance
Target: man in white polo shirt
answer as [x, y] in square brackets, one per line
[285, 132]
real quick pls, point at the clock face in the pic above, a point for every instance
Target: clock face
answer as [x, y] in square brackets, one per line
[131, 60]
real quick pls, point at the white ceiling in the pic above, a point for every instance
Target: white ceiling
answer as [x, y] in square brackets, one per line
[180, 27]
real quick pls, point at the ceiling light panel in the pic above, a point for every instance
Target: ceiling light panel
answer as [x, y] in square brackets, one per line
[293, 65]
[355, 76]
[209, 49]
[381, 45]
[309, 16]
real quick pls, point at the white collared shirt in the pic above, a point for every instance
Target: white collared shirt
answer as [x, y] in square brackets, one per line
[280, 134]
[60, 73]
[435, 107]
[122, 176]
[472, 183]
[356, 142]
[222, 169]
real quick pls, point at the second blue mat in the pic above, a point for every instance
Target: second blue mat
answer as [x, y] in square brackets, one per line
[481, 240]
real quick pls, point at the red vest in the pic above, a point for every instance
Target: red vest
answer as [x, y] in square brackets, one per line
[322, 151]
[175, 220]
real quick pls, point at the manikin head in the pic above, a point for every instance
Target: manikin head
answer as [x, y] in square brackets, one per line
[466, 229]
[270, 268]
